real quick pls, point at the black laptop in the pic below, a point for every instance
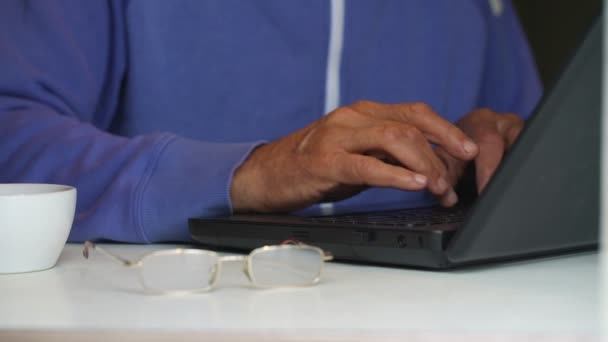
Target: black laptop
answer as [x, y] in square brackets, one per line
[543, 200]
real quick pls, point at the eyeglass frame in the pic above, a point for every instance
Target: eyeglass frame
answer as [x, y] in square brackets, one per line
[245, 259]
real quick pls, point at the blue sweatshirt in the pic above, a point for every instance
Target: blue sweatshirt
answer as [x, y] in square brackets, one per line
[148, 106]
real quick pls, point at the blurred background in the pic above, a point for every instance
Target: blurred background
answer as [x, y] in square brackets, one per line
[554, 28]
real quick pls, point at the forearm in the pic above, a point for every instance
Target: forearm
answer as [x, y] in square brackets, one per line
[140, 189]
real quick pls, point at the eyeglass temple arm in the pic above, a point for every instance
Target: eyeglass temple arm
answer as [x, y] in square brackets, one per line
[327, 256]
[91, 245]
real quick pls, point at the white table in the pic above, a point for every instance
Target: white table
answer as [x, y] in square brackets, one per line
[555, 298]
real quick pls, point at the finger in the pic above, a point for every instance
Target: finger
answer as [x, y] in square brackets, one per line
[510, 127]
[436, 129]
[455, 167]
[491, 150]
[449, 199]
[511, 136]
[405, 144]
[355, 169]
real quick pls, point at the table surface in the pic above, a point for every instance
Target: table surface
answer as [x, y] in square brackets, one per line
[556, 295]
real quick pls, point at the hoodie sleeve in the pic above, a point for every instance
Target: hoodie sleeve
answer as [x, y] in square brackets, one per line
[61, 65]
[511, 82]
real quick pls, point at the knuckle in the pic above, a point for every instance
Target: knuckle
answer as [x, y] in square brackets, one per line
[391, 133]
[419, 108]
[486, 113]
[508, 121]
[412, 110]
[514, 119]
[412, 133]
[340, 115]
[479, 115]
[362, 104]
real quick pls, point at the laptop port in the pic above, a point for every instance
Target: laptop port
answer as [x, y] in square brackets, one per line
[420, 240]
[401, 241]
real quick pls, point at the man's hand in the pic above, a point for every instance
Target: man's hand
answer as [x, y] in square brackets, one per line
[494, 133]
[357, 146]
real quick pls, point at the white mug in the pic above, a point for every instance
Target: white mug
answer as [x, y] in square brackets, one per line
[35, 221]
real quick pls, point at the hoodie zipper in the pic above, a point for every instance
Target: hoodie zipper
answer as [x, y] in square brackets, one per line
[334, 56]
[332, 77]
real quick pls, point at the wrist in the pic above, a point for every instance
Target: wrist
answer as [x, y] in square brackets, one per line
[244, 185]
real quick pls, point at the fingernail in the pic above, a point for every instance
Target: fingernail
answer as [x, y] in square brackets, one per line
[420, 179]
[442, 184]
[469, 147]
[452, 198]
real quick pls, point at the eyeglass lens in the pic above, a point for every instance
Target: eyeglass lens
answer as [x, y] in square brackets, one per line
[178, 271]
[286, 266]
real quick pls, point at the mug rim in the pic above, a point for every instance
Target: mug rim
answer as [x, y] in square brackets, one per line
[32, 189]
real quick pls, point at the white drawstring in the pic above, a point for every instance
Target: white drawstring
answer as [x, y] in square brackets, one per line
[332, 79]
[497, 7]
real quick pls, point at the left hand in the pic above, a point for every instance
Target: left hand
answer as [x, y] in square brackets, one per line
[494, 133]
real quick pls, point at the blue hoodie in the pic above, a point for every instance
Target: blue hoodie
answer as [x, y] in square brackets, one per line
[148, 106]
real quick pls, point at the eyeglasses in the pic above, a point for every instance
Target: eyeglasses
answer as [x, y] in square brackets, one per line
[181, 271]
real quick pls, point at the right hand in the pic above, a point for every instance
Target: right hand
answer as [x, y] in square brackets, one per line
[354, 147]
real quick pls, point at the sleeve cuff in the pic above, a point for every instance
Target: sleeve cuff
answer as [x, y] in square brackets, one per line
[190, 178]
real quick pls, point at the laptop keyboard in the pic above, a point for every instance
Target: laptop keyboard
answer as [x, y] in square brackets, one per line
[409, 218]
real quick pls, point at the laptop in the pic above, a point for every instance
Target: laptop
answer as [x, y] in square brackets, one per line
[543, 200]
